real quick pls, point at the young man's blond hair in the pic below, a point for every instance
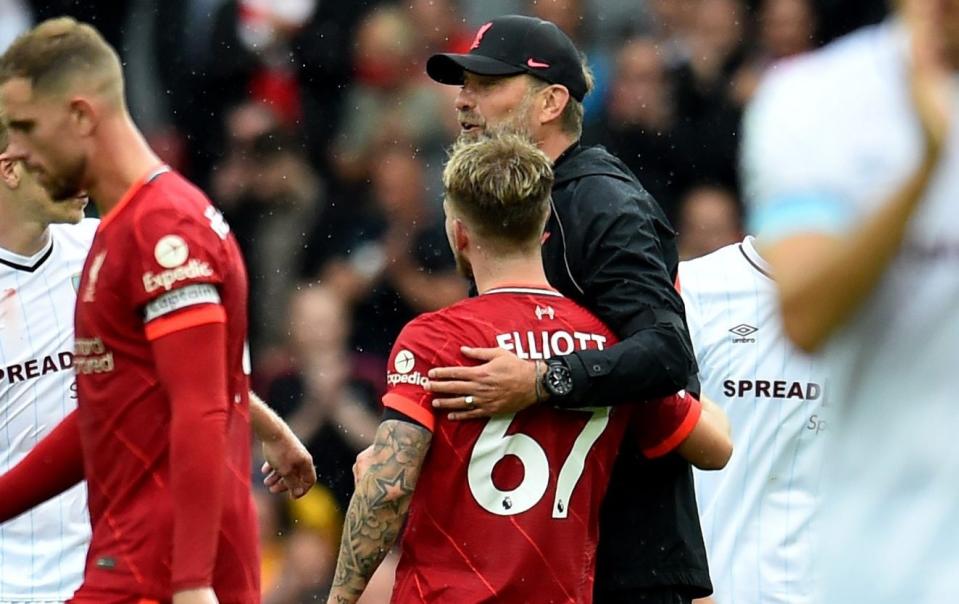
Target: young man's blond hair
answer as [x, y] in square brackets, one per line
[500, 183]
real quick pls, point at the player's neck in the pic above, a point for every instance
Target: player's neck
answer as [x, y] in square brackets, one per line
[124, 157]
[491, 273]
[22, 237]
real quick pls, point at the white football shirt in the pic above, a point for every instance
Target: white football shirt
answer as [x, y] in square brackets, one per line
[42, 552]
[829, 137]
[758, 513]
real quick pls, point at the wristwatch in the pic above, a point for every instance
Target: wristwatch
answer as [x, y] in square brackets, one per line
[558, 379]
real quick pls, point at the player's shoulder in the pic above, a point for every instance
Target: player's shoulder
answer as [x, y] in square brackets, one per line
[171, 196]
[424, 326]
[828, 78]
[172, 205]
[729, 273]
[582, 318]
[456, 317]
[709, 270]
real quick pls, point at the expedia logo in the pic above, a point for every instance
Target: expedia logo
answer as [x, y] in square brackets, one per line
[193, 269]
[416, 379]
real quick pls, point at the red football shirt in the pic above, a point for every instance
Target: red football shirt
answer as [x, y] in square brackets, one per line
[162, 260]
[507, 509]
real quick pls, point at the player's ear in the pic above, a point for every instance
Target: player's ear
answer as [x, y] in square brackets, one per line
[555, 99]
[461, 235]
[9, 172]
[83, 116]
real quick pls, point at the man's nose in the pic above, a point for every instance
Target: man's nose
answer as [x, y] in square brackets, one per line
[464, 100]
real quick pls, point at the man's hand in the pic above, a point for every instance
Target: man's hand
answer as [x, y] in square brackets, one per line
[203, 595]
[364, 460]
[930, 75]
[503, 384]
[288, 466]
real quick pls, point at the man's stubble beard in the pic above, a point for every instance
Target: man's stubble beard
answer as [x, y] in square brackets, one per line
[69, 186]
[517, 123]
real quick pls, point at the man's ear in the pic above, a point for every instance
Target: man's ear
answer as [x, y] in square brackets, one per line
[555, 99]
[10, 171]
[83, 116]
[461, 235]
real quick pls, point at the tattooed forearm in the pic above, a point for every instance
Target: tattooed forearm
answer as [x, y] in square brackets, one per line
[379, 506]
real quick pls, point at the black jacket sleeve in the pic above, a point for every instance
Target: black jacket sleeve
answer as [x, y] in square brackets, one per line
[622, 254]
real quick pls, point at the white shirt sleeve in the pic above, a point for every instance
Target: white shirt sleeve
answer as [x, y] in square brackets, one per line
[793, 156]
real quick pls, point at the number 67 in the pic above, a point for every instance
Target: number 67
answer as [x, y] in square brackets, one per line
[493, 445]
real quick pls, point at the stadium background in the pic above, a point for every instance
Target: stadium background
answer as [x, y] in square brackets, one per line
[313, 126]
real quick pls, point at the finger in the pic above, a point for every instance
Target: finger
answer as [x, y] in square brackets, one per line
[296, 488]
[457, 403]
[275, 483]
[279, 487]
[453, 373]
[482, 354]
[308, 475]
[453, 387]
[271, 479]
[265, 468]
[474, 414]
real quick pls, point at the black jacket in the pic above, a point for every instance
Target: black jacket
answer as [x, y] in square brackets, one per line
[612, 250]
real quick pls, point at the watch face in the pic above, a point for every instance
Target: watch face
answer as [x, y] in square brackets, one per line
[559, 381]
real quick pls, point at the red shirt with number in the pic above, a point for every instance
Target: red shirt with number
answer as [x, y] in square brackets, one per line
[507, 509]
[162, 260]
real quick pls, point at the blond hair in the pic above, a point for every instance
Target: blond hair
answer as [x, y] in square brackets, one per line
[501, 184]
[60, 53]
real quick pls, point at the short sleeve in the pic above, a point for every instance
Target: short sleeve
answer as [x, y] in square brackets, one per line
[792, 164]
[181, 264]
[661, 426]
[410, 361]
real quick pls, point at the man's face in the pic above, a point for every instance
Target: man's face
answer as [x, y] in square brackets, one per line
[35, 204]
[495, 102]
[41, 138]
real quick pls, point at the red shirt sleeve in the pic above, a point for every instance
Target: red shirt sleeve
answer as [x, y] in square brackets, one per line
[196, 385]
[51, 467]
[661, 426]
[181, 262]
[413, 355]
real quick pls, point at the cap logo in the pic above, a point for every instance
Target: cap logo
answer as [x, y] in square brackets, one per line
[479, 35]
[536, 64]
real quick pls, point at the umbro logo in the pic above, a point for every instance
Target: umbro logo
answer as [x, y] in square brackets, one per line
[743, 330]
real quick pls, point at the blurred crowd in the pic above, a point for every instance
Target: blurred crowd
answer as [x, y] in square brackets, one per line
[313, 126]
